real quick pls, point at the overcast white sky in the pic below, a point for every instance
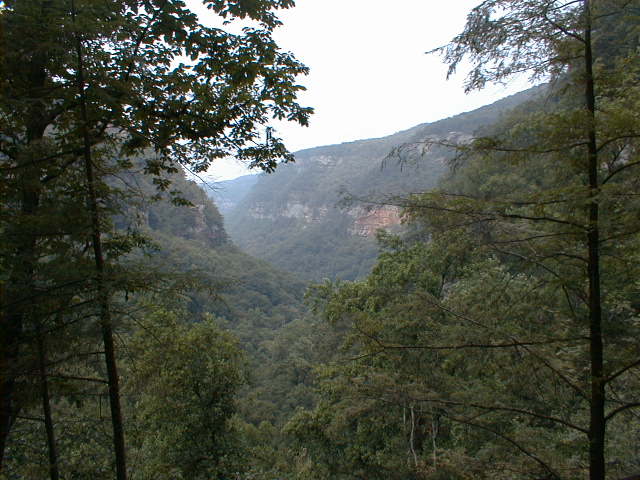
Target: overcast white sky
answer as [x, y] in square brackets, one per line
[370, 76]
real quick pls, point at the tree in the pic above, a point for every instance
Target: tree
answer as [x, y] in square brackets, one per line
[504, 38]
[518, 294]
[181, 390]
[103, 83]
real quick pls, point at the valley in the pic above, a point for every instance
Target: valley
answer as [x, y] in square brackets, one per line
[459, 300]
[318, 217]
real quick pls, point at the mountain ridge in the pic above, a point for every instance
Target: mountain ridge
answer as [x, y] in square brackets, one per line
[294, 217]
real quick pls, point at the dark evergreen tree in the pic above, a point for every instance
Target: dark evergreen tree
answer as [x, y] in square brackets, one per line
[97, 84]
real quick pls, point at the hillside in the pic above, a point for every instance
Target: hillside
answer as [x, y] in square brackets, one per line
[194, 238]
[296, 218]
[228, 193]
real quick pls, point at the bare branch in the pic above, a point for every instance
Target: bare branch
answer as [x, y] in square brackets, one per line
[621, 409]
[522, 449]
[500, 408]
[623, 370]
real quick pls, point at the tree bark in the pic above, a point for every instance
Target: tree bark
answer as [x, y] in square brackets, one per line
[16, 295]
[46, 406]
[101, 281]
[597, 423]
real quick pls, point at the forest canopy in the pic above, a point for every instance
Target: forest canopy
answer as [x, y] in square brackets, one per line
[496, 337]
[92, 94]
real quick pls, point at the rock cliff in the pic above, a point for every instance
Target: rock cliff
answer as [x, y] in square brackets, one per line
[297, 218]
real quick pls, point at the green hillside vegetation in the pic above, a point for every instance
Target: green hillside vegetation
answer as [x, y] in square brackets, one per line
[247, 296]
[495, 336]
[112, 363]
[498, 338]
[213, 314]
[322, 245]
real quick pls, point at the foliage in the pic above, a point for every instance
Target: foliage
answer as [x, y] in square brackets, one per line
[201, 274]
[506, 322]
[495, 339]
[135, 87]
[182, 382]
[90, 91]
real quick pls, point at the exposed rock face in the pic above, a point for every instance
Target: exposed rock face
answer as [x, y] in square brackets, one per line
[326, 160]
[292, 217]
[201, 221]
[204, 228]
[259, 212]
[299, 211]
[368, 221]
[306, 214]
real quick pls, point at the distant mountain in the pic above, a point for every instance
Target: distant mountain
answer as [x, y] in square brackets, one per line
[228, 193]
[294, 219]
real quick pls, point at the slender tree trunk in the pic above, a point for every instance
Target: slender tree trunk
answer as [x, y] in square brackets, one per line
[597, 416]
[46, 405]
[101, 281]
[434, 435]
[412, 437]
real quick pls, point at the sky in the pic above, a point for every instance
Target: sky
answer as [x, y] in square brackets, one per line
[370, 76]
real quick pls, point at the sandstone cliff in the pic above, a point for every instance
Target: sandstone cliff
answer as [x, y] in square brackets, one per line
[297, 217]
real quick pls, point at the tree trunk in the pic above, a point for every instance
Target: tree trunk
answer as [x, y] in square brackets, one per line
[11, 331]
[46, 406]
[14, 306]
[17, 292]
[101, 282]
[597, 416]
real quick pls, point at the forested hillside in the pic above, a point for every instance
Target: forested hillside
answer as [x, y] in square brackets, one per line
[498, 337]
[301, 207]
[493, 335]
[210, 317]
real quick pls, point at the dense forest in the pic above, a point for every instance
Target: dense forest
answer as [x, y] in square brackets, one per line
[489, 331]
